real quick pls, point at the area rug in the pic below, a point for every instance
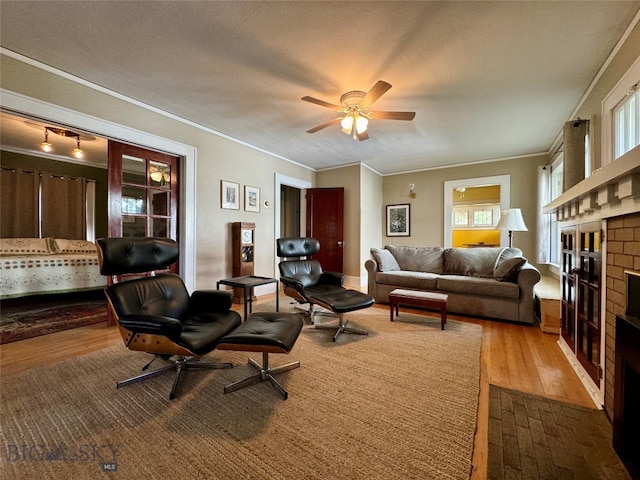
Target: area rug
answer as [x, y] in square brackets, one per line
[400, 402]
[535, 437]
[27, 318]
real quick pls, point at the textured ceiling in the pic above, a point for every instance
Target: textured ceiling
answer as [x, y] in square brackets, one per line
[487, 80]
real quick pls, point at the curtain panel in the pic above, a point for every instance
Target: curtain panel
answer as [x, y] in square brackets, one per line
[543, 220]
[574, 152]
[64, 207]
[19, 203]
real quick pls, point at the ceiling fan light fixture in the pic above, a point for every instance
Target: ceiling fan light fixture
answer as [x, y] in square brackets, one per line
[347, 124]
[361, 123]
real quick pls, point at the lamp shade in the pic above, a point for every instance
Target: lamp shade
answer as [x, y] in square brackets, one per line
[511, 220]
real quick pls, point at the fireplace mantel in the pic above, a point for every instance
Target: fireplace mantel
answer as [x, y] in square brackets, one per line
[610, 191]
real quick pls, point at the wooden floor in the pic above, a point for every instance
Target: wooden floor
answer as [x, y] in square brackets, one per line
[513, 356]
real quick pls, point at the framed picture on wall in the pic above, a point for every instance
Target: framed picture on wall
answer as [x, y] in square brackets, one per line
[251, 199]
[398, 220]
[229, 195]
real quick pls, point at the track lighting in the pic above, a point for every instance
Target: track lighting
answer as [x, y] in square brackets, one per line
[48, 147]
[77, 152]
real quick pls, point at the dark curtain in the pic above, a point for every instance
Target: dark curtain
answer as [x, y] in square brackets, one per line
[19, 203]
[574, 153]
[63, 207]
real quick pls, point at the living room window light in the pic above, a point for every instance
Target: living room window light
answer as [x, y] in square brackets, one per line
[627, 123]
[555, 190]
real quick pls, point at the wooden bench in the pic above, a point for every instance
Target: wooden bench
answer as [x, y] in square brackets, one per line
[417, 298]
[548, 298]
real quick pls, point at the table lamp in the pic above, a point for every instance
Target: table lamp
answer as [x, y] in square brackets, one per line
[511, 220]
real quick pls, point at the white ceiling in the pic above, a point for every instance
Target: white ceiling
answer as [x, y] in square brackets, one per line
[487, 80]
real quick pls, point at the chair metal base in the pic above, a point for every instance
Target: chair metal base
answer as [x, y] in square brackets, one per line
[265, 373]
[341, 327]
[181, 363]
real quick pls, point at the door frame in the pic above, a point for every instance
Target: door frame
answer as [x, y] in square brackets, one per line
[449, 187]
[291, 182]
[24, 105]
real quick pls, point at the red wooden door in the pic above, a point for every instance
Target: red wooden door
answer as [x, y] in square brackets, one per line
[325, 221]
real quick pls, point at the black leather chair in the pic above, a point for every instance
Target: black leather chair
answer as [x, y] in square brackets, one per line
[156, 314]
[304, 280]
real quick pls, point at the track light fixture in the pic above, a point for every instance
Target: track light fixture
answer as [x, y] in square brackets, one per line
[48, 147]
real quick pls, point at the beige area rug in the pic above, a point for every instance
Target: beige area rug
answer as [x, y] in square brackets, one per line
[399, 403]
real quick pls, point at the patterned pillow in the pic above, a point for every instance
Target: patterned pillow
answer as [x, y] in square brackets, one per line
[74, 246]
[26, 246]
[386, 261]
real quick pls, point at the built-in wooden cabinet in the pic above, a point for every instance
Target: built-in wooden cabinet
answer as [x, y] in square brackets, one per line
[243, 245]
[581, 292]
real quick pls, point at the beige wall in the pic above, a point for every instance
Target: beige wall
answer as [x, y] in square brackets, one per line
[370, 206]
[592, 106]
[427, 209]
[217, 159]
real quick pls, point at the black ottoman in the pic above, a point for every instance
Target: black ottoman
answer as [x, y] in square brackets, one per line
[266, 332]
[340, 303]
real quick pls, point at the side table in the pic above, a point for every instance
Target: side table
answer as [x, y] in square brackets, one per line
[248, 282]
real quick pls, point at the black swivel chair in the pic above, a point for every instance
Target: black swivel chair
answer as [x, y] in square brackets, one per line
[156, 314]
[304, 280]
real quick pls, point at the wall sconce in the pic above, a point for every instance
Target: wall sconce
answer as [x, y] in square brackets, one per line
[412, 194]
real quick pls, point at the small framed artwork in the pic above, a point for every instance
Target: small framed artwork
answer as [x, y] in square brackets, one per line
[251, 199]
[398, 220]
[229, 195]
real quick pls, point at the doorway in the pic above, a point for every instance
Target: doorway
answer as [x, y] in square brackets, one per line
[30, 107]
[454, 189]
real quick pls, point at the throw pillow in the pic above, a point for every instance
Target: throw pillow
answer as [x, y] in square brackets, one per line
[418, 259]
[26, 246]
[386, 261]
[507, 270]
[74, 246]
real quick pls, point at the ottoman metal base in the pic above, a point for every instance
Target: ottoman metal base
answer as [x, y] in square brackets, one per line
[265, 373]
[342, 327]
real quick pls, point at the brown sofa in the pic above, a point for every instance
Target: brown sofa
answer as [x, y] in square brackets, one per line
[487, 282]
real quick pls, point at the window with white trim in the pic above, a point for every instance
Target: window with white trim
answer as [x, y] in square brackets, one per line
[626, 123]
[555, 190]
[477, 216]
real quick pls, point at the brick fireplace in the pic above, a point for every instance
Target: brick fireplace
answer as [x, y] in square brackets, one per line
[623, 253]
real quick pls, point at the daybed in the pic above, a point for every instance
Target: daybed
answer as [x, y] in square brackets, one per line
[488, 282]
[32, 266]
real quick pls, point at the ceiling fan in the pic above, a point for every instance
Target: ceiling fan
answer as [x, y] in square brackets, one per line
[355, 107]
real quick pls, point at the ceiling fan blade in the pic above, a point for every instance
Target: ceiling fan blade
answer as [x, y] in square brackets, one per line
[374, 94]
[362, 136]
[393, 115]
[324, 125]
[322, 103]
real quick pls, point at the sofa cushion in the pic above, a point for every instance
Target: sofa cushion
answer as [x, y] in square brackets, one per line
[386, 261]
[487, 287]
[507, 270]
[74, 246]
[26, 246]
[402, 279]
[473, 262]
[418, 259]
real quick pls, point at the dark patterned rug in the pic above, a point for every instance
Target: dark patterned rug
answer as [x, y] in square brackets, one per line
[28, 317]
[532, 437]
